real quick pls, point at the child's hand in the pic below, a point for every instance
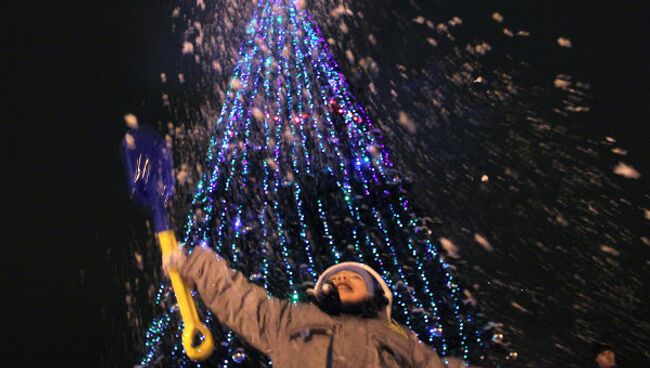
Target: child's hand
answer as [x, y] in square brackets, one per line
[174, 261]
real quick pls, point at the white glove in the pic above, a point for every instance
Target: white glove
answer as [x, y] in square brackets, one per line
[174, 261]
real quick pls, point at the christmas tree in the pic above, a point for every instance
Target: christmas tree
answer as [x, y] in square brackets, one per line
[295, 179]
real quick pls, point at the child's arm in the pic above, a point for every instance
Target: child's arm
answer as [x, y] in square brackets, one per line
[242, 306]
[423, 356]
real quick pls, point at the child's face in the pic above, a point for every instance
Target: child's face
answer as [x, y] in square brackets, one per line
[351, 287]
[606, 359]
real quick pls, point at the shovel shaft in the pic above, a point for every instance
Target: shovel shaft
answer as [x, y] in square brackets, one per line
[189, 314]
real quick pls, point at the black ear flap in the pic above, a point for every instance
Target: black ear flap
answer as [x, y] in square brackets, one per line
[380, 299]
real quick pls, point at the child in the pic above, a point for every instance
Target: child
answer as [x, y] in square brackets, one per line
[350, 324]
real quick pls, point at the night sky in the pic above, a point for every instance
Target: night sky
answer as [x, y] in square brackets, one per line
[74, 69]
[71, 70]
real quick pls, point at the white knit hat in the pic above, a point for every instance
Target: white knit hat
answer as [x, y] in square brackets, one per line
[361, 269]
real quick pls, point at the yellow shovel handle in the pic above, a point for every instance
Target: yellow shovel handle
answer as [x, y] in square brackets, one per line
[186, 306]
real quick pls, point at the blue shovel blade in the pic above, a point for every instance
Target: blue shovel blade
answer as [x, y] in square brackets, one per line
[150, 171]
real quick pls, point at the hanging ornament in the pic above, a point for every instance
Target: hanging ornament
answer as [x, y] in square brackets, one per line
[437, 331]
[239, 356]
[497, 338]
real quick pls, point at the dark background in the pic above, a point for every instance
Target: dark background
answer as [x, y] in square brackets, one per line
[70, 72]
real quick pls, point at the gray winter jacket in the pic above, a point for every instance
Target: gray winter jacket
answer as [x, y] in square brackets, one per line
[300, 335]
